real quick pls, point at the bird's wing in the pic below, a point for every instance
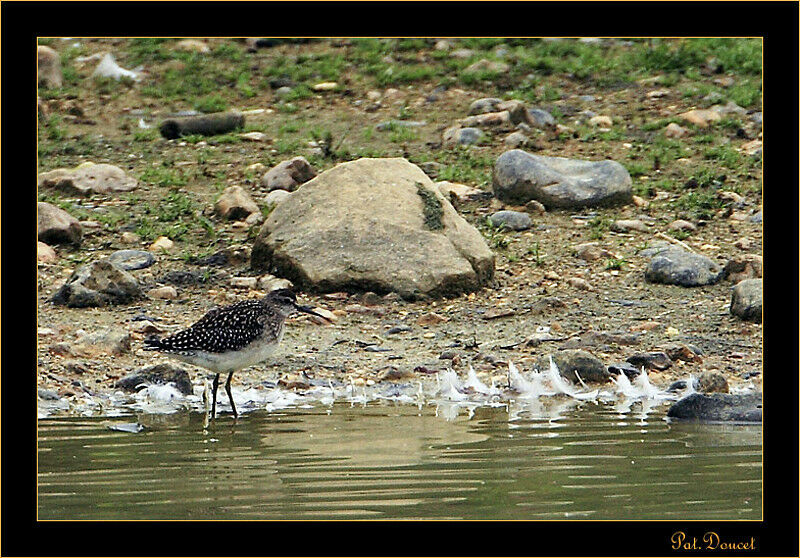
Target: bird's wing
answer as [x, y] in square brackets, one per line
[221, 329]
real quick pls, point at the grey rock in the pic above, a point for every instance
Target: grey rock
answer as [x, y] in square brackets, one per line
[514, 220]
[541, 118]
[288, 175]
[674, 266]
[159, 374]
[99, 283]
[235, 203]
[656, 360]
[130, 260]
[89, 179]
[718, 407]
[54, 225]
[757, 218]
[462, 136]
[282, 92]
[373, 224]
[485, 105]
[623, 368]
[106, 340]
[559, 182]
[589, 367]
[515, 139]
[747, 301]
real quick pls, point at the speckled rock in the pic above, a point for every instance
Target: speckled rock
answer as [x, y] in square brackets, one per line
[130, 260]
[462, 136]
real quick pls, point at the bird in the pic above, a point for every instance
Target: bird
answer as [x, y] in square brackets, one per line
[230, 338]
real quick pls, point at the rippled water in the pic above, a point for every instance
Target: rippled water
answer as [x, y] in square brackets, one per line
[390, 461]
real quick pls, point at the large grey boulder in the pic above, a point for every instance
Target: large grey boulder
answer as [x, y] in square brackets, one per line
[747, 300]
[717, 407]
[675, 266]
[377, 225]
[558, 182]
[99, 283]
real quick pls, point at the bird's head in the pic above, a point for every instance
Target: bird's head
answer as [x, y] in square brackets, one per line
[286, 303]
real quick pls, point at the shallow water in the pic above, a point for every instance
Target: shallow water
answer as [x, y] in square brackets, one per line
[384, 460]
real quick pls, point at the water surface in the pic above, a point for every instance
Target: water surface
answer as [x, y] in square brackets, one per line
[398, 461]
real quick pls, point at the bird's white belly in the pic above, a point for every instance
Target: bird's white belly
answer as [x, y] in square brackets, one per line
[254, 353]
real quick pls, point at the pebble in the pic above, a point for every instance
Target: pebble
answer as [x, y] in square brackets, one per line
[682, 225]
[601, 121]
[513, 220]
[244, 282]
[431, 318]
[162, 243]
[675, 131]
[130, 238]
[628, 225]
[325, 86]
[163, 293]
[45, 253]
[580, 283]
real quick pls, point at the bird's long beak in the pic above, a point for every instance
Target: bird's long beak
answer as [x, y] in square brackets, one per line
[309, 310]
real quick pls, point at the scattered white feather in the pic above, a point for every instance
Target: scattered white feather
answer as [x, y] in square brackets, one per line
[450, 386]
[108, 67]
[624, 386]
[475, 384]
[518, 382]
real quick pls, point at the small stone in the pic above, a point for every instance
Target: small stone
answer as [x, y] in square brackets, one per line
[515, 139]
[163, 293]
[701, 118]
[104, 341]
[325, 86]
[681, 225]
[746, 300]
[87, 179]
[579, 283]
[513, 220]
[656, 360]
[754, 147]
[45, 254]
[675, 131]
[658, 93]
[271, 283]
[48, 64]
[130, 238]
[646, 326]
[254, 136]
[744, 266]
[98, 284]
[535, 207]
[256, 168]
[461, 192]
[431, 318]
[628, 225]
[572, 362]
[488, 120]
[639, 202]
[235, 203]
[159, 374]
[54, 225]
[591, 251]
[244, 282]
[601, 121]
[130, 260]
[462, 136]
[541, 118]
[743, 244]
[288, 175]
[493, 313]
[192, 45]
[162, 243]
[712, 382]
[674, 266]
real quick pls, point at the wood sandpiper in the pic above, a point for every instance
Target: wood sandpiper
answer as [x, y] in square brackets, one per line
[230, 338]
